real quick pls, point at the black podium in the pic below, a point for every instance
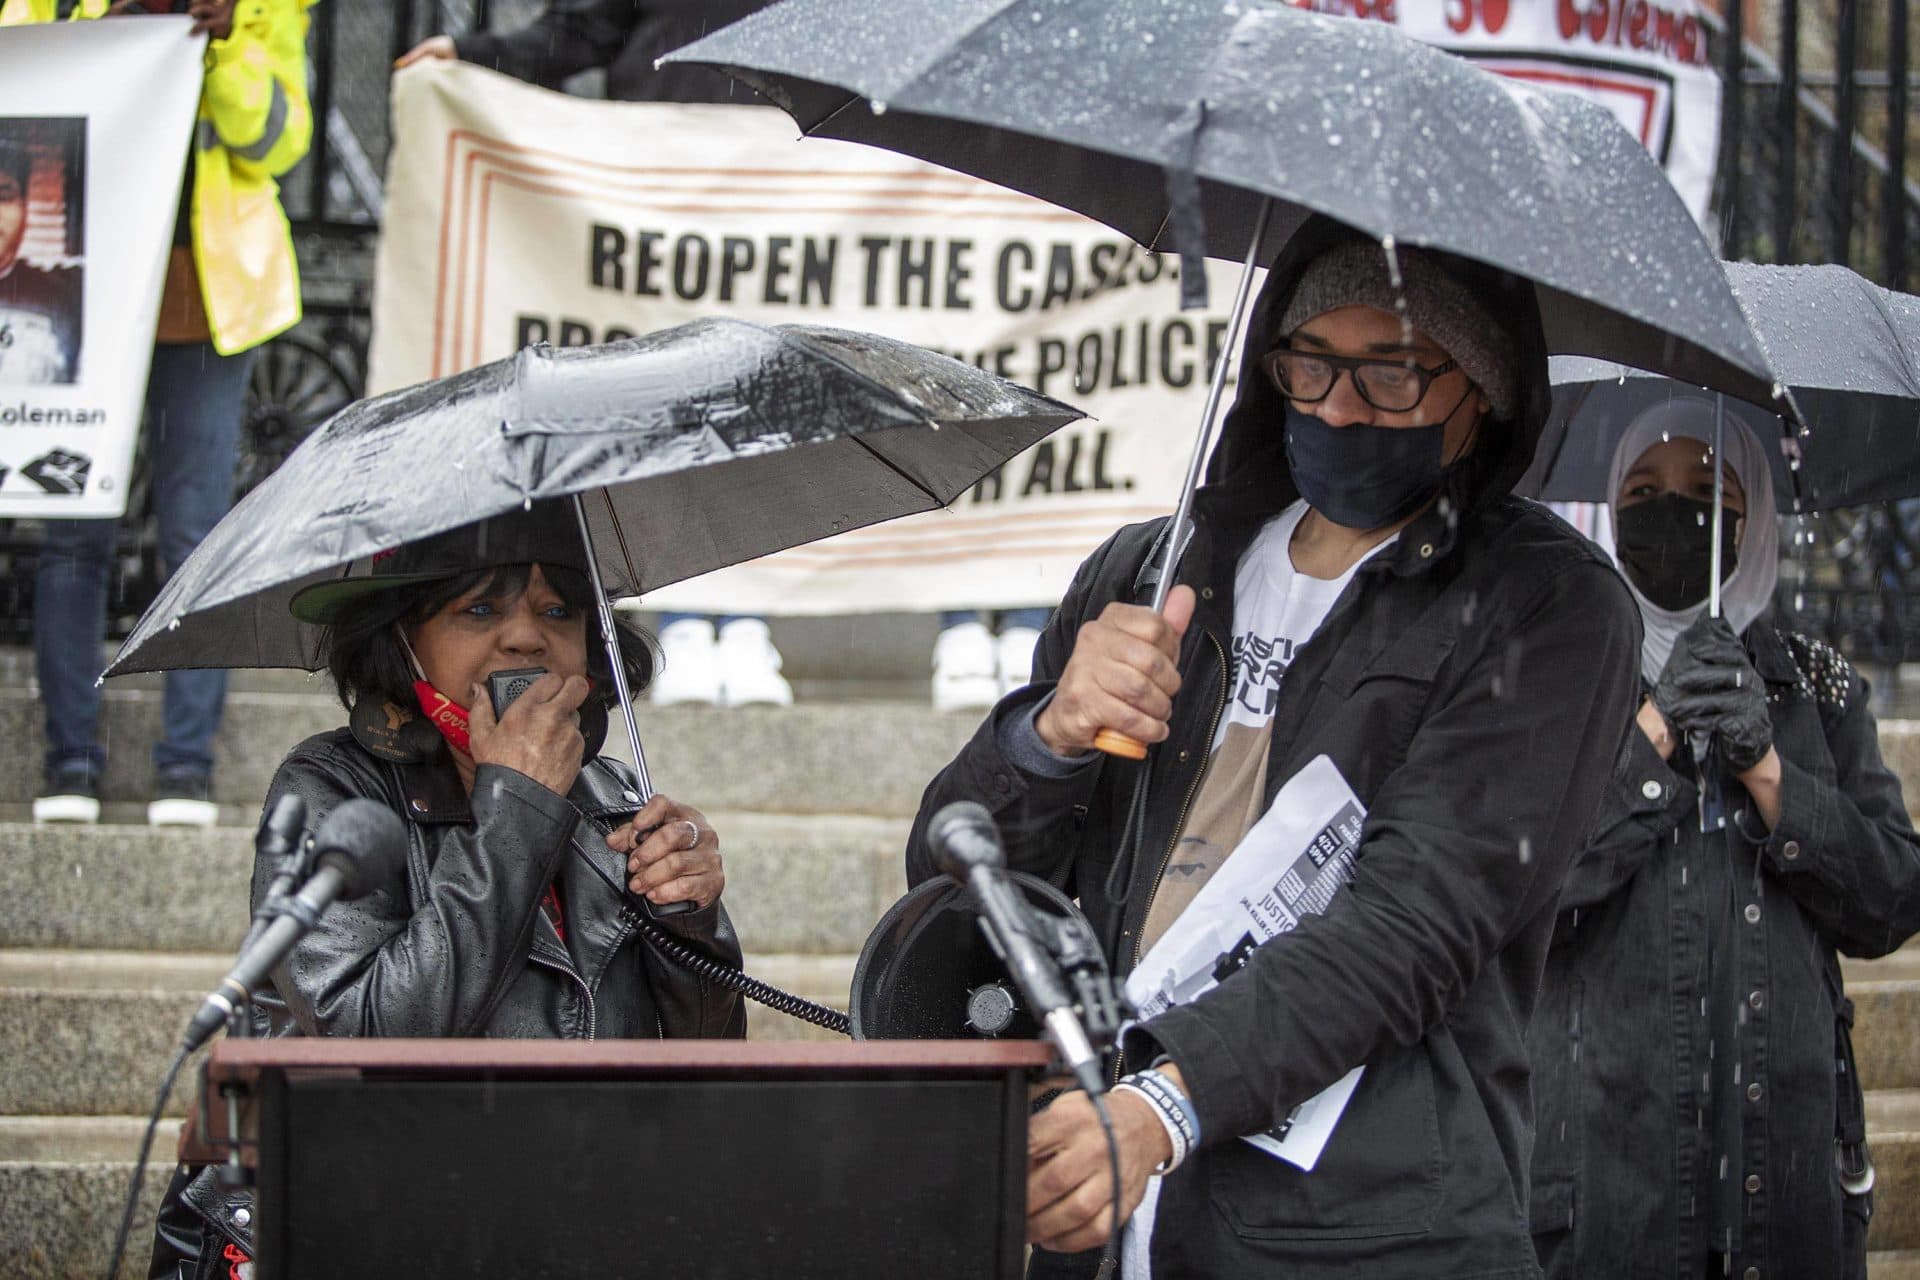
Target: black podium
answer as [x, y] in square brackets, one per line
[429, 1158]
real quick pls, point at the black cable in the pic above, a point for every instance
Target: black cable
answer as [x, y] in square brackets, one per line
[708, 969]
[1110, 1255]
[140, 1161]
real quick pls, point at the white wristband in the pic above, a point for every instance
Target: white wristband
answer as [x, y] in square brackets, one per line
[1176, 1133]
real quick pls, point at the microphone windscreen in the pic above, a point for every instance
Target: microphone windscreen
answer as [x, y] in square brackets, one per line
[282, 827]
[367, 840]
[962, 835]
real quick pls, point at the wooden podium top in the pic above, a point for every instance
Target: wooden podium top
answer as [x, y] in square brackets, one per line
[244, 1059]
[241, 1063]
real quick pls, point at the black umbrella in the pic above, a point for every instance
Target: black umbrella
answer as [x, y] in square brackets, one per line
[1848, 349]
[707, 444]
[1090, 103]
[1229, 122]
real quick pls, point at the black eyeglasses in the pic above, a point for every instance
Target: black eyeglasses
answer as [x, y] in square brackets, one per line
[1392, 386]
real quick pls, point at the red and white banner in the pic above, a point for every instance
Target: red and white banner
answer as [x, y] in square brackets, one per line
[1644, 60]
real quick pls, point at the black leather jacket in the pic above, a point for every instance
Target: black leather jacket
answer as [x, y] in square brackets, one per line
[467, 951]
[459, 945]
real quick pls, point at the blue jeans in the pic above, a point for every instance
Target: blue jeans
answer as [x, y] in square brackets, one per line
[195, 398]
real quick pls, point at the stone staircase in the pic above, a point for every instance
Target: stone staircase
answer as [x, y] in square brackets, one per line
[109, 935]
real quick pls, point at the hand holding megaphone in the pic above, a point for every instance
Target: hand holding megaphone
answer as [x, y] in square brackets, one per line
[1116, 694]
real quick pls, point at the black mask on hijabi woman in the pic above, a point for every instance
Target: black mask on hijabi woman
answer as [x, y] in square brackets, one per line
[1665, 544]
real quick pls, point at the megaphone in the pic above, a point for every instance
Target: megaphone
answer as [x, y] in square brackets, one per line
[927, 971]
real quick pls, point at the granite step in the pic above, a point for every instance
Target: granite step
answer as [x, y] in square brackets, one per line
[1893, 1264]
[823, 757]
[90, 1032]
[835, 756]
[1893, 1136]
[795, 883]
[63, 1186]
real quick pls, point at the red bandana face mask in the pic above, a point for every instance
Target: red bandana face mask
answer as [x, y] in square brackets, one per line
[446, 715]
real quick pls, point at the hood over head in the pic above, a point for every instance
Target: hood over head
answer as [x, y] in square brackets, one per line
[1747, 593]
[1251, 449]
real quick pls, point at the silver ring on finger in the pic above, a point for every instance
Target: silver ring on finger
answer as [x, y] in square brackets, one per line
[694, 828]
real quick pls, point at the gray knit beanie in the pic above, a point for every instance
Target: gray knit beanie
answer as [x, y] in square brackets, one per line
[1436, 304]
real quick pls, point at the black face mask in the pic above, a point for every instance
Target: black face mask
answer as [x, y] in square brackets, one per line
[1364, 477]
[1666, 547]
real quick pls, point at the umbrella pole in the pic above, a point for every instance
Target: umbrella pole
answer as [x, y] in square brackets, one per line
[1712, 808]
[611, 637]
[1112, 741]
[1719, 496]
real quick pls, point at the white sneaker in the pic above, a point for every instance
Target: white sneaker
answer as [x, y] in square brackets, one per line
[182, 813]
[70, 794]
[1015, 647]
[183, 800]
[965, 669]
[80, 810]
[750, 666]
[690, 671]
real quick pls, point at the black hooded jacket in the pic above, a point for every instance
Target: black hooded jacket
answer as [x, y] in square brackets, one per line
[1472, 683]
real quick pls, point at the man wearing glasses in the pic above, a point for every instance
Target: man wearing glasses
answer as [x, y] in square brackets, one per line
[1360, 585]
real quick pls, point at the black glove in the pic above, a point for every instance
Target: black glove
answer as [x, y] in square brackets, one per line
[1709, 686]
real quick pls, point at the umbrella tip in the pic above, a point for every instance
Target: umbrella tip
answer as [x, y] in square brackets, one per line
[878, 107]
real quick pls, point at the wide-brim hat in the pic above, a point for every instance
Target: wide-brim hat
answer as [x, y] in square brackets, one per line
[546, 533]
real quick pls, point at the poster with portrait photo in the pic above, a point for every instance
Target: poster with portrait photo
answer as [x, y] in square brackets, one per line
[95, 122]
[43, 183]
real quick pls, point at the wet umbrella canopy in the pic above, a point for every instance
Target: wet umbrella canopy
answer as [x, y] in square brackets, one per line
[712, 443]
[1850, 351]
[1087, 104]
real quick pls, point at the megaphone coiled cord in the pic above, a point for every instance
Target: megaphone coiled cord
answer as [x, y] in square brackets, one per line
[707, 969]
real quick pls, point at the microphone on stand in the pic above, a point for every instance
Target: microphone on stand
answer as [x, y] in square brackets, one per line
[282, 836]
[355, 851]
[966, 847]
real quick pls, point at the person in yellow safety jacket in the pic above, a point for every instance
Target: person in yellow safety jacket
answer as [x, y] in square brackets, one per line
[231, 284]
[255, 124]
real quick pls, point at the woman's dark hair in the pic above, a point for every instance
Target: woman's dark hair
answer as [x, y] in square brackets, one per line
[365, 658]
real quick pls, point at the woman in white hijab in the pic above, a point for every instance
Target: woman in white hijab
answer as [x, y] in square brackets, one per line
[1696, 1106]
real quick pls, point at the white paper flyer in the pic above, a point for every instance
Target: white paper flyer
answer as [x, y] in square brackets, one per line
[1290, 864]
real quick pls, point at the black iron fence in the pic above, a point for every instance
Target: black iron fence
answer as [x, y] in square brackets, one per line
[1817, 164]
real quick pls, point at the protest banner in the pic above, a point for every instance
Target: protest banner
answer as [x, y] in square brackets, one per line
[515, 215]
[95, 122]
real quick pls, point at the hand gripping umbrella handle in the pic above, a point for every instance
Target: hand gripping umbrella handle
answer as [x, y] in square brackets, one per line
[1112, 741]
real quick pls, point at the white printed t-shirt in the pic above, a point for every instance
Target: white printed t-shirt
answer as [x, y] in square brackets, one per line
[1276, 609]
